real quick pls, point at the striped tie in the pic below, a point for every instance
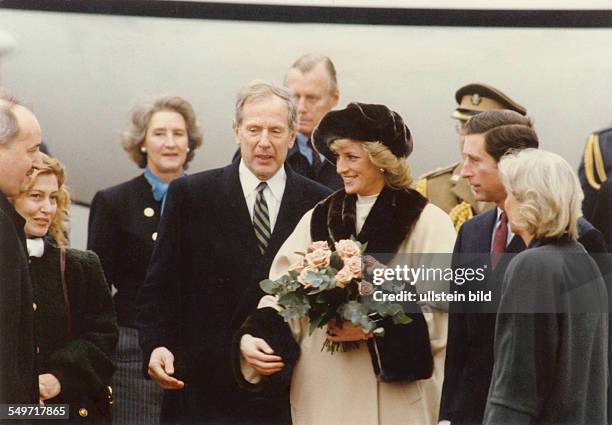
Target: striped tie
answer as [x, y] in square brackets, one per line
[261, 218]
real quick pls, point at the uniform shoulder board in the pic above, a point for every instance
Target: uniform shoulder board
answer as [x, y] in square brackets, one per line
[439, 171]
[604, 130]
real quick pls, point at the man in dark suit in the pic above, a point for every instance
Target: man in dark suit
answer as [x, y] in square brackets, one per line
[217, 238]
[312, 80]
[19, 150]
[471, 331]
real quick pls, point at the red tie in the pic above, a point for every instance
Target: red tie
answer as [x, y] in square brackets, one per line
[499, 241]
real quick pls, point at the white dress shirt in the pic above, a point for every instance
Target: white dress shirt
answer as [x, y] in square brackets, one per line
[273, 193]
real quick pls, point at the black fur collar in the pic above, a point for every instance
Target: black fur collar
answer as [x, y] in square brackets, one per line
[389, 223]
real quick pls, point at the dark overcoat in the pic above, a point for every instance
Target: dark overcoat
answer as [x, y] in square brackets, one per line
[326, 175]
[469, 350]
[81, 357]
[203, 282]
[550, 366]
[18, 379]
[122, 229]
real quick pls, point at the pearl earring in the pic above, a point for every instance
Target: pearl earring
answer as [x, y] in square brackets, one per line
[382, 170]
[188, 149]
[143, 149]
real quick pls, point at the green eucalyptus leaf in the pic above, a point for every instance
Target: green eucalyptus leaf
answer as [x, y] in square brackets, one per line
[295, 312]
[269, 286]
[292, 299]
[313, 279]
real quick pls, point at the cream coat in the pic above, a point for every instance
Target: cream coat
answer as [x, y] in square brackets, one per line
[342, 388]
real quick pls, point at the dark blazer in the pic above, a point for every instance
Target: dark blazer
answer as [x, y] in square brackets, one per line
[327, 175]
[203, 282]
[83, 360]
[469, 349]
[602, 215]
[549, 367]
[18, 379]
[123, 223]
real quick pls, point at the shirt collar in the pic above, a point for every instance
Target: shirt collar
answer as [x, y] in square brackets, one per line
[306, 148]
[159, 188]
[36, 247]
[249, 181]
[302, 141]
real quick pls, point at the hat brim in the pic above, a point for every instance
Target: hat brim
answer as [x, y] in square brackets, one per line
[462, 115]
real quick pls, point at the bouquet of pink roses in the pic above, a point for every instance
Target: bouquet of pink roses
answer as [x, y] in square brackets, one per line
[328, 284]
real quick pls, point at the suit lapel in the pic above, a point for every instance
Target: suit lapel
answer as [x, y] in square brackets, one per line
[485, 232]
[516, 245]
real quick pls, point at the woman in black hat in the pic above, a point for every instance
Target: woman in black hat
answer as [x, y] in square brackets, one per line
[388, 380]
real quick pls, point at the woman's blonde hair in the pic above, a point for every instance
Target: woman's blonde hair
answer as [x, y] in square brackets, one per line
[60, 225]
[396, 170]
[547, 190]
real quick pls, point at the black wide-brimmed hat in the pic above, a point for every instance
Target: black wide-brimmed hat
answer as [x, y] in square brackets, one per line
[363, 122]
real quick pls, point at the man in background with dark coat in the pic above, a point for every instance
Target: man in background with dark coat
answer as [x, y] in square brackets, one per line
[595, 167]
[312, 80]
[19, 150]
[217, 238]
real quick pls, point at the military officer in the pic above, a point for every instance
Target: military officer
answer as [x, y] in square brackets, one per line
[595, 167]
[444, 186]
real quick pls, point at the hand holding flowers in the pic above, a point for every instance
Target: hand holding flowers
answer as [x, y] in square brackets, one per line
[328, 287]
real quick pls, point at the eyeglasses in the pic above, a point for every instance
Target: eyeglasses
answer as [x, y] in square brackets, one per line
[460, 128]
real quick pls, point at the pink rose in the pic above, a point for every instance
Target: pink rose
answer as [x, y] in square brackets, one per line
[347, 248]
[318, 245]
[303, 274]
[297, 267]
[343, 277]
[318, 258]
[353, 265]
[365, 288]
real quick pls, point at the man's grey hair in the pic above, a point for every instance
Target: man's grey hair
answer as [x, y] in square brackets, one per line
[9, 127]
[259, 90]
[309, 61]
